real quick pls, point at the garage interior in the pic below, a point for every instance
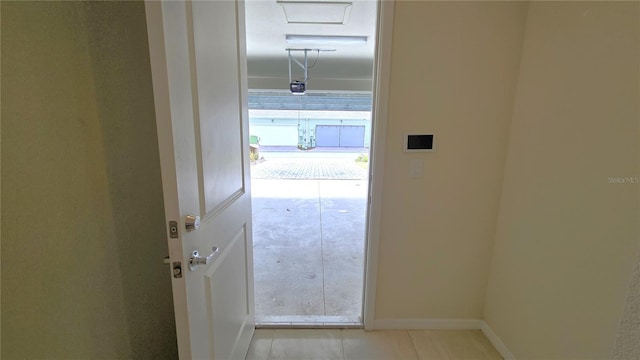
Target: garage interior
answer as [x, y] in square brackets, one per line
[309, 207]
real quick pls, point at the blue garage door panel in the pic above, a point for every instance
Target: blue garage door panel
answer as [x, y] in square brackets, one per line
[327, 135]
[352, 136]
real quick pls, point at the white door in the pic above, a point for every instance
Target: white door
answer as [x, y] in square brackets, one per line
[198, 65]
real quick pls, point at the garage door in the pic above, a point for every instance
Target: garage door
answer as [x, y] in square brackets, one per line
[275, 135]
[327, 135]
[340, 135]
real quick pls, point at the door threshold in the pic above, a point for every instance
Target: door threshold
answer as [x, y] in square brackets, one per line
[309, 322]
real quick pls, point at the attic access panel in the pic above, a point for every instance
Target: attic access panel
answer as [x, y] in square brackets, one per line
[316, 12]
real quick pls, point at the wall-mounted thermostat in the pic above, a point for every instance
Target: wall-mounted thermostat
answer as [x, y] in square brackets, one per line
[418, 142]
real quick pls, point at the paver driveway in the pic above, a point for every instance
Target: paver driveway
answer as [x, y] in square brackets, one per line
[308, 168]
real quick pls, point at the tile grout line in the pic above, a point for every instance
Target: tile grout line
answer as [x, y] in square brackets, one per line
[413, 344]
[344, 356]
[273, 336]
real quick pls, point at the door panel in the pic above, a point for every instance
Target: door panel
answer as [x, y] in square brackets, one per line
[229, 295]
[327, 135]
[340, 135]
[199, 79]
[352, 136]
[216, 71]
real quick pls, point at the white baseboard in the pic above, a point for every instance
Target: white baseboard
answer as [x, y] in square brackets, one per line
[496, 341]
[427, 324]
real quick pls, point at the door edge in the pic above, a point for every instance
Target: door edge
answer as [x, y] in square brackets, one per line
[382, 69]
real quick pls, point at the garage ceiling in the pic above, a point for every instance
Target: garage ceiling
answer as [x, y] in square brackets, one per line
[349, 67]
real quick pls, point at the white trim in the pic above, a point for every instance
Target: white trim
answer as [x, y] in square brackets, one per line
[381, 79]
[161, 83]
[496, 342]
[427, 324]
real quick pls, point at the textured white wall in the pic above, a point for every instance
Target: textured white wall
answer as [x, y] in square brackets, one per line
[453, 72]
[83, 221]
[568, 226]
[628, 340]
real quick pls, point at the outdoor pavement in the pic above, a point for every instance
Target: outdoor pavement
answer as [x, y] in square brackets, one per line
[310, 168]
[308, 235]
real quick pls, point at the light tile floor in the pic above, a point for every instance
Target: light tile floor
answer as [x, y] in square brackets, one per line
[348, 344]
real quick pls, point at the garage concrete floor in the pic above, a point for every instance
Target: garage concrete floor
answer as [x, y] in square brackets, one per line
[308, 237]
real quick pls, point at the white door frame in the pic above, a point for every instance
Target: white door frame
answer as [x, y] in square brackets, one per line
[381, 77]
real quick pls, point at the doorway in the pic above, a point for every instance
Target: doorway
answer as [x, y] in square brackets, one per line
[309, 210]
[310, 153]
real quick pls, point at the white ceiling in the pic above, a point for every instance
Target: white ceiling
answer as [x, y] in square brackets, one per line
[268, 21]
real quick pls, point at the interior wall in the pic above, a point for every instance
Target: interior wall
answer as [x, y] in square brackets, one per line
[83, 220]
[118, 46]
[453, 73]
[628, 339]
[567, 231]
